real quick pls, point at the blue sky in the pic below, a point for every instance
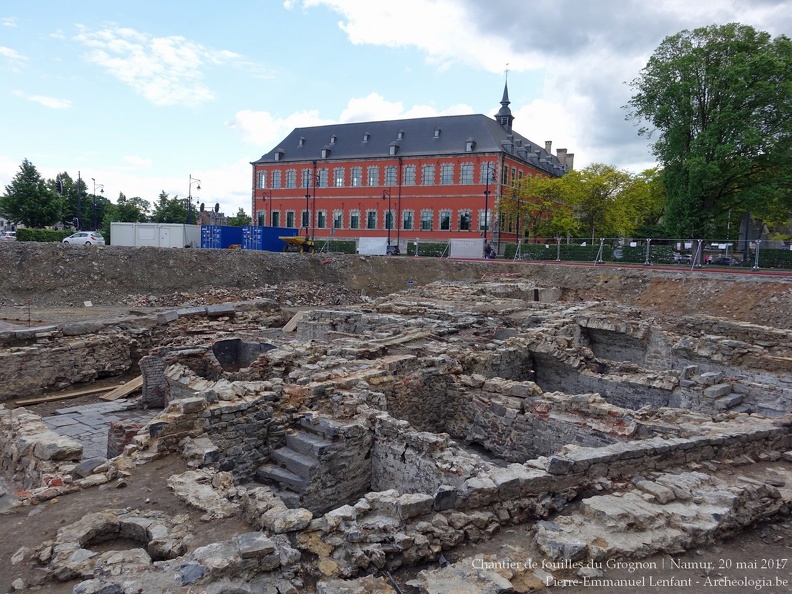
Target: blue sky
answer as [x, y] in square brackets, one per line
[141, 96]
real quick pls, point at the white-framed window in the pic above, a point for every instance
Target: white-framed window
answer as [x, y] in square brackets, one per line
[291, 178]
[388, 220]
[426, 220]
[447, 174]
[305, 219]
[464, 220]
[338, 177]
[466, 174]
[373, 176]
[276, 180]
[290, 219]
[275, 215]
[321, 219]
[261, 218]
[262, 180]
[409, 175]
[306, 178]
[390, 175]
[445, 220]
[428, 175]
[356, 176]
[354, 219]
[338, 219]
[481, 224]
[371, 219]
[486, 169]
[322, 179]
[408, 220]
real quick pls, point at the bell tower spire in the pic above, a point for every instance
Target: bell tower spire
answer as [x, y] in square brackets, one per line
[504, 116]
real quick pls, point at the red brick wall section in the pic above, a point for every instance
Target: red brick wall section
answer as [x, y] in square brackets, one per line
[120, 434]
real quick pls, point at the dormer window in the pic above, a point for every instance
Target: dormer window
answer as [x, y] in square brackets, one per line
[278, 156]
[394, 148]
[366, 136]
[301, 141]
[437, 132]
[400, 135]
[332, 138]
[325, 153]
[470, 144]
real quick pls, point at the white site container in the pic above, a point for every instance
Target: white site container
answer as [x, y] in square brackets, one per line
[166, 235]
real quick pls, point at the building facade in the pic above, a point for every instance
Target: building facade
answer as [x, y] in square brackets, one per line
[434, 178]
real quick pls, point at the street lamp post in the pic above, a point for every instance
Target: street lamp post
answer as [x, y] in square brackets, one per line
[93, 215]
[197, 182]
[486, 203]
[388, 216]
[264, 195]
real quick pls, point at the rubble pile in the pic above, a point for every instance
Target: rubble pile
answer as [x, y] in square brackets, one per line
[288, 294]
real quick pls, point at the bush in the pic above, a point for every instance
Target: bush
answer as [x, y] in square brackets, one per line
[428, 248]
[341, 246]
[41, 235]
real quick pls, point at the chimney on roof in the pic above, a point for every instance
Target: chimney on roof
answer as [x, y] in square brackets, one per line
[548, 145]
[570, 161]
[561, 154]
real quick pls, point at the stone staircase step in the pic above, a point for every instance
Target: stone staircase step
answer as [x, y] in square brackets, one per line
[282, 476]
[303, 465]
[321, 426]
[307, 443]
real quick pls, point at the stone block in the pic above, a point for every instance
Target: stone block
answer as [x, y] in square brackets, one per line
[445, 498]
[716, 391]
[412, 505]
[253, 545]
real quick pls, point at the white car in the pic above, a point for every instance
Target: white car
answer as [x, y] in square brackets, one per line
[85, 237]
[8, 236]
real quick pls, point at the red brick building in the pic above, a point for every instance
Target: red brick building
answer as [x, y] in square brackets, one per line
[434, 178]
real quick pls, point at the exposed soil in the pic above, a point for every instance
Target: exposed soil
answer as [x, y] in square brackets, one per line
[146, 489]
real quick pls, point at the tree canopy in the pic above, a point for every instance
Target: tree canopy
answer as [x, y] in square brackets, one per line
[170, 210]
[718, 102]
[29, 201]
[240, 219]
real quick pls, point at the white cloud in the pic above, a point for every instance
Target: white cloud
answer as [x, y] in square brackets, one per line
[8, 22]
[264, 129]
[584, 51]
[164, 70]
[13, 60]
[51, 102]
[138, 162]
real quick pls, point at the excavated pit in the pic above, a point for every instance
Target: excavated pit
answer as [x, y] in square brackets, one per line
[450, 399]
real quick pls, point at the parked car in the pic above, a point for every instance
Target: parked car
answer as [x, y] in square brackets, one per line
[85, 237]
[682, 258]
[8, 236]
[725, 261]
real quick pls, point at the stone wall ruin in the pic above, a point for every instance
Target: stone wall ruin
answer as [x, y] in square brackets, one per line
[382, 435]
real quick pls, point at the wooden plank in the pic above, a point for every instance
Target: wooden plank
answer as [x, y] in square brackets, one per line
[124, 390]
[59, 396]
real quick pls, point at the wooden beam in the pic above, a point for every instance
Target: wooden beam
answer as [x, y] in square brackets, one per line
[124, 390]
[60, 396]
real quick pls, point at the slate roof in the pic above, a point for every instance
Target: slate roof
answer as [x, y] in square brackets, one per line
[346, 141]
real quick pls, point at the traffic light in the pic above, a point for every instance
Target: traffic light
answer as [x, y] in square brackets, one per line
[59, 186]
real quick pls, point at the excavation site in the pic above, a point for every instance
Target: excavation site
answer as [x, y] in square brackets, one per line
[211, 421]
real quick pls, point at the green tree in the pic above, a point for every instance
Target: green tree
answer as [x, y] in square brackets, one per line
[601, 199]
[169, 210]
[240, 219]
[29, 201]
[125, 210]
[719, 99]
